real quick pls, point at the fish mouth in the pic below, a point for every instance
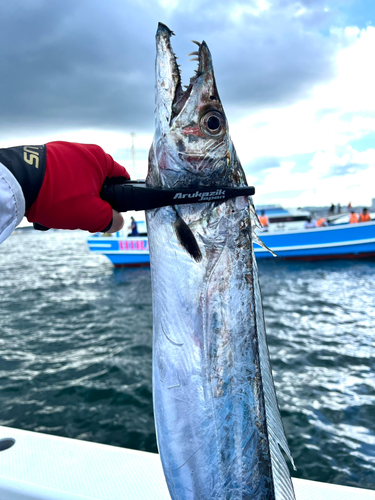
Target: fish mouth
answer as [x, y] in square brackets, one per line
[169, 87]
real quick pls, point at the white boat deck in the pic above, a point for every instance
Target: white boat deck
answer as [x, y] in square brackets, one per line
[43, 467]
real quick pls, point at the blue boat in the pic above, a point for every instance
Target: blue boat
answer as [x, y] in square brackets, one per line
[122, 251]
[286, 236]
[348, 241]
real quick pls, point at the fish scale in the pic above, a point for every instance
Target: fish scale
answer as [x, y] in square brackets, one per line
[217, 420]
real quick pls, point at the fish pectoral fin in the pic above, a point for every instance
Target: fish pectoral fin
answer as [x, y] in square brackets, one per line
[255, 223]
[186, 238]
[259, 242]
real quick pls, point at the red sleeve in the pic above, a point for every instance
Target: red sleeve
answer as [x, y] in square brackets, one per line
[69, 196]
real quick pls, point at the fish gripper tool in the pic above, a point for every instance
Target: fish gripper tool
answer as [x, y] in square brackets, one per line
[124, 195]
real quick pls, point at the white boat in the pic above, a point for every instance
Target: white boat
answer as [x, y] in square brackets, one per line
[35, 466]
[284, 219]
[24, 225]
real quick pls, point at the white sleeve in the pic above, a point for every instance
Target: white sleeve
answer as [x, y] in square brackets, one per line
[12, 203]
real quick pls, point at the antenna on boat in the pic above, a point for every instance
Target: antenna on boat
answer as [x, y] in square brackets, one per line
[133, 153]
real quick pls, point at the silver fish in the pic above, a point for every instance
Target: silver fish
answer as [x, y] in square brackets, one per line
[218, 424]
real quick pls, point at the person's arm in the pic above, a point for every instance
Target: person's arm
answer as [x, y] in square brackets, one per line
[61, 182]
[12, 203]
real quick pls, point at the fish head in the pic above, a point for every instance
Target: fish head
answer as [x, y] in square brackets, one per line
[191, 146]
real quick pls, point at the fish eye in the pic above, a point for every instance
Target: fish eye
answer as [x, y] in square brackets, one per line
[212, 124]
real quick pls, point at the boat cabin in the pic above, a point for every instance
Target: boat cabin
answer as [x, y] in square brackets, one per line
[281, 219]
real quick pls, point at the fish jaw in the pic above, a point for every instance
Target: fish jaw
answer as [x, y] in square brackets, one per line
[167, 77]
[191, 139]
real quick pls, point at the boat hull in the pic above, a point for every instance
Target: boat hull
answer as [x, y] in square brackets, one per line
[349, 241]
[122, 251]
[332, 242]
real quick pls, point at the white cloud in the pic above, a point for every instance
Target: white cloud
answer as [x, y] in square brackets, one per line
[169, 4]
[319, 188]
[333, 116]
[239, 9]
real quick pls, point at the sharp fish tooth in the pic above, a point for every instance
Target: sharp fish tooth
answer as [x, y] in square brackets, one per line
[194, 41]
[193, 54]
[194, 59]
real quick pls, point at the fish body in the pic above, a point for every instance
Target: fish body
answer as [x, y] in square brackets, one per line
[218, 425]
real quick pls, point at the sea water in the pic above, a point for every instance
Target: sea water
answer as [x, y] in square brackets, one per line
[76, 345]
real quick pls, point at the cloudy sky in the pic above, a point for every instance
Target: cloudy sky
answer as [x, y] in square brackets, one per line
[296, 79]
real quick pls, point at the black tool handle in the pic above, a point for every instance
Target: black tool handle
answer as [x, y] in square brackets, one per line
[39, 227]
[124, 195]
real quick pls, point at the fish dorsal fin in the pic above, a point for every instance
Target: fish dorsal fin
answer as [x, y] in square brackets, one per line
[277, 439]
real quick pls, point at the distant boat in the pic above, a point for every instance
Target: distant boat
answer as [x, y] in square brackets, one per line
[120, 248]
[24, 225]
[286, 236]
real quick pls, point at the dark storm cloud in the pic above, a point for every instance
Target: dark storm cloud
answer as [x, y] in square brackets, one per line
[74, 63]
[90, 64]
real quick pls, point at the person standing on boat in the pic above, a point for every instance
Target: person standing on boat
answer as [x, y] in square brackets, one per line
[353, 217]
[365, 216]
[133, 226]
[263, 219]
[57, 185]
